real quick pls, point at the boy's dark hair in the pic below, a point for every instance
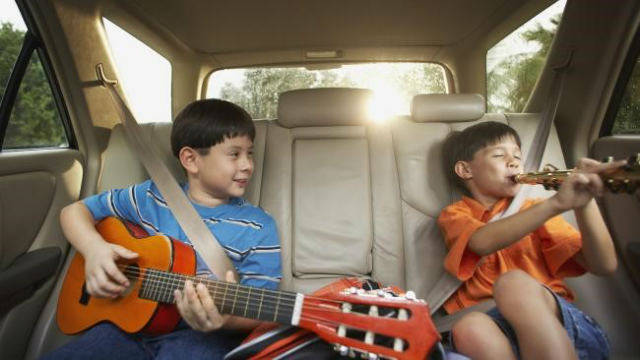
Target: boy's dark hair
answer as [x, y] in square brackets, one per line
[463, 145]
[205, 123]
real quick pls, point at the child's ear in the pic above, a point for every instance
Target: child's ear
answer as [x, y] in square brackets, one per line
[188, 157]
[463, 170]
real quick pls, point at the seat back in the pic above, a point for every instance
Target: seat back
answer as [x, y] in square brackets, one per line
[330, 182]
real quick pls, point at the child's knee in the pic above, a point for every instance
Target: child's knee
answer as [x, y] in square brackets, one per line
[513, 283]
[472, 331]
[517, 291]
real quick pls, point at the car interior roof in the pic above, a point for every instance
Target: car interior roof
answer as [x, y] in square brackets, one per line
[216, 31]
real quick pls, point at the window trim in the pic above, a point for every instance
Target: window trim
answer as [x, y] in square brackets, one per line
[621, 85]
[13, 85]
[33, 43]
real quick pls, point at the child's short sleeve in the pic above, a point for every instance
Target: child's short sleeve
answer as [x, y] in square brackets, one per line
[560, 242]
[457, 225]
[122, 203]
[262, 266]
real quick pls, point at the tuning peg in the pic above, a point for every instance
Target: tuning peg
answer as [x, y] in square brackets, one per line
[410, 295]
[343, 350]
[607, 159]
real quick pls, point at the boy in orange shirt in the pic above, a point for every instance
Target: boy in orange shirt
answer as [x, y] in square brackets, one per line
[520, 260]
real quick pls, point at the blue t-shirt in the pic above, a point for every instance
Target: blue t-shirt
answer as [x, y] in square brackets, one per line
[247, 233]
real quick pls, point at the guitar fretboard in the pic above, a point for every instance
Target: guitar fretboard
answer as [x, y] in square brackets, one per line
[229, 298]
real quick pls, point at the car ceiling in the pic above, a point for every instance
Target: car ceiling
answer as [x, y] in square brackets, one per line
[218, 27]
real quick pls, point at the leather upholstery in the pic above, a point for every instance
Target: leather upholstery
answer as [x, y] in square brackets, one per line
[324, 107]
[447, 107]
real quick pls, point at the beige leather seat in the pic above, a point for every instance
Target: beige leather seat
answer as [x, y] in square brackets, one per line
[330, 182]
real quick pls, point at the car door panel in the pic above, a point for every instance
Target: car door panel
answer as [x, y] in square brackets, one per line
[34, 186]
[622, 211]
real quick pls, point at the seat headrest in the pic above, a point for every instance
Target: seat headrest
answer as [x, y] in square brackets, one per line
[447, 107]
[324, 107]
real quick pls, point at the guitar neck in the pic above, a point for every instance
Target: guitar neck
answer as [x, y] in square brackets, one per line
[229, 298]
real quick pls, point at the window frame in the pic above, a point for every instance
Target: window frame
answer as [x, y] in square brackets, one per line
[32, 46]
[629, 64]
[447, 75]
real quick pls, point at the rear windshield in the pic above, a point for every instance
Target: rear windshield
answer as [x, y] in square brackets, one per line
[394, 84]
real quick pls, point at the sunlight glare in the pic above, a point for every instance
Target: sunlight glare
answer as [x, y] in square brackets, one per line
[386, 102]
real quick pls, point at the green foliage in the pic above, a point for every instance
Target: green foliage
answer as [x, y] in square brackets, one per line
[511, 82]
[34, 120]
[260, 88]
[628, 117]
[10, 43]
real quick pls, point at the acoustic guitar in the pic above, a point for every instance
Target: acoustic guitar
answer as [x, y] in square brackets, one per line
[376, 324]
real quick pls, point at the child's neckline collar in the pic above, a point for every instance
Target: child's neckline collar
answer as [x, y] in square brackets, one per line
[480, 211]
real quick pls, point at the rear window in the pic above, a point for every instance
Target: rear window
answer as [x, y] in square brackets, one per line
[394, 84]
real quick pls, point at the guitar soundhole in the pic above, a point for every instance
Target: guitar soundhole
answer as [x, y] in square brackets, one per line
[84, 295]
[132, 272]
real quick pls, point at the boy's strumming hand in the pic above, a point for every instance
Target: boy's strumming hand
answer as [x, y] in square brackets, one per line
[103, 277]
[197, 308]
[583, 184]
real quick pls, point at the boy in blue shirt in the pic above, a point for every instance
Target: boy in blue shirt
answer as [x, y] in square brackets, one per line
[213, 139]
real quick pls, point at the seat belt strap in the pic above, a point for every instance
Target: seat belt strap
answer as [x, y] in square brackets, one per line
[448, 284]
[203, 240]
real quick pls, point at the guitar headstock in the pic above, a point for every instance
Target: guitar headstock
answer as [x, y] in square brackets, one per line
[625, 178]
[374, 324]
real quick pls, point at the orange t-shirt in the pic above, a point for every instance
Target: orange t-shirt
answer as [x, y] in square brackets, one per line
[547, 254]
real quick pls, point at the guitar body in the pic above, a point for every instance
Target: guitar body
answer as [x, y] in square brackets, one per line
[348, 314]
[77, 310]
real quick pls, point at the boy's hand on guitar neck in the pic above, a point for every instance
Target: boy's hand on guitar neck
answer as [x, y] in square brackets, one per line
[583, 184]
[197, 308]
[103, 278]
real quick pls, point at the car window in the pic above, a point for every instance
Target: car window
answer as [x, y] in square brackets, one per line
[516, 61]
[30, 116]
[394, 84]
[627, 120]
[145, 75]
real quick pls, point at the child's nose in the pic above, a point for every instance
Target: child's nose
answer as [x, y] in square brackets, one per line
[246, 164]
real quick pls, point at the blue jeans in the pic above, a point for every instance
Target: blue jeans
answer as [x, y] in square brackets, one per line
[587, 336]
[106, 341]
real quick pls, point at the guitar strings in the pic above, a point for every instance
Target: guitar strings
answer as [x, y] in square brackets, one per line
[160, 275]
[158, 280]
[216, 285]
[156, 275]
